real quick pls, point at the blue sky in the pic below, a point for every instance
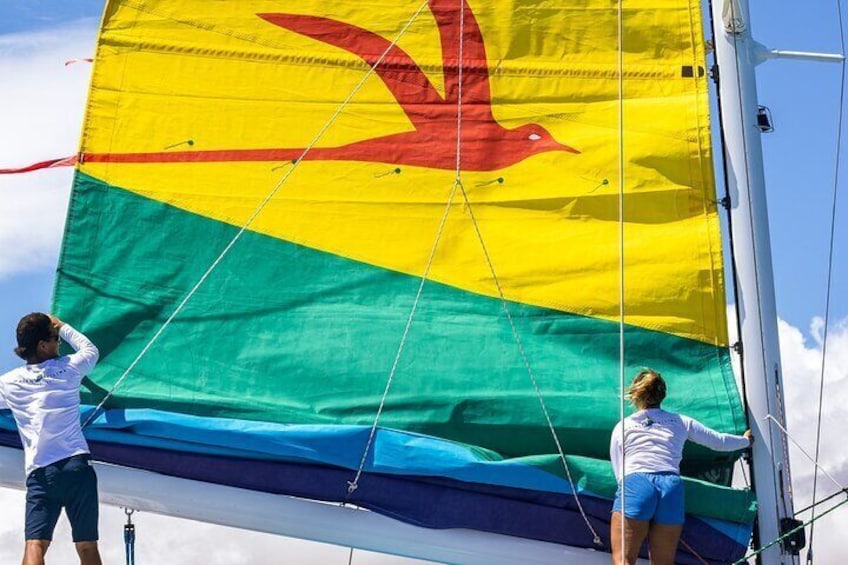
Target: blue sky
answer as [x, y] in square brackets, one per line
[800, 158]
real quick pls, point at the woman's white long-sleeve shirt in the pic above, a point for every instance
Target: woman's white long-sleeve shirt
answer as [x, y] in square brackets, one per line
[44, 399]
[654, 440]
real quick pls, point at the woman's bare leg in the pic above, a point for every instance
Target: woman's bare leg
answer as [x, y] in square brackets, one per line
[662, 541]
[634, 534]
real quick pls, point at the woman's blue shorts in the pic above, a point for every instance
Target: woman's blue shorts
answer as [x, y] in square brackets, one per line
[654, 497]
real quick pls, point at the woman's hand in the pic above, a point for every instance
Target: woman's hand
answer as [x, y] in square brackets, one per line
[748, 434]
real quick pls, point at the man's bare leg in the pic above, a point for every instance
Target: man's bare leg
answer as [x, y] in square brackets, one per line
[635, 532]
[88, 553]
[34, 551]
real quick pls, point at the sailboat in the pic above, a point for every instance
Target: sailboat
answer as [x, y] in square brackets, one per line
[375, 276]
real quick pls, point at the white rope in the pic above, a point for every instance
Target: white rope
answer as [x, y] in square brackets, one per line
[459, 94]
[354, 484]
[255, 214]
[807, 455]
[839, 123]
[524, 357]
[621, 377]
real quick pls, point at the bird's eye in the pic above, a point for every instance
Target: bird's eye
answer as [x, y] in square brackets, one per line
[534, 137]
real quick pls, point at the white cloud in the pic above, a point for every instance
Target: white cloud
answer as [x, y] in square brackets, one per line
[801, 358]
[41, 115]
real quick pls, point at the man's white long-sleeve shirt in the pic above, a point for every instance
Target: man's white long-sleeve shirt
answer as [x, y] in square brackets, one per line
[44, 399]
[654, 440]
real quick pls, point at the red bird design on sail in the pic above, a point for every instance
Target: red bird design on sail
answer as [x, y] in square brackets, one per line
[486, 145]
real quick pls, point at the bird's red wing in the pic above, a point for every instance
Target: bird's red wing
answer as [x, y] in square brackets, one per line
[475, 67]
[401, 74]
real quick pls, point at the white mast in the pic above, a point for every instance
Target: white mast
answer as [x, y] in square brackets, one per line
[736, 58]
[737, 55]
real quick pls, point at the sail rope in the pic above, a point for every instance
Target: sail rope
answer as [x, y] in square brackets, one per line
[693, 552]
[621, 377]
[789, 533]
[829, 284]
[807, 455]
[354, 484]
[255, 214]
[822, 501]
[596, 539]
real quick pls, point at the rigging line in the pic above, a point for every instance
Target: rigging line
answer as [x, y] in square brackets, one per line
[829, 285]
[791, 532]
[459, 94]
[776, 489]
[693, 552]
[596, 539]
[822, 501]
[742, 464]
[807, 455]
[749, 461]
[255, 214]
[621, 377]
[354, 484]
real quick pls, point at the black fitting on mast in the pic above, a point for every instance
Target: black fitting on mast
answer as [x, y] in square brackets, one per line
[714, 73]
[796, 540]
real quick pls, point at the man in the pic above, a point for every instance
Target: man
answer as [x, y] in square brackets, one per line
[44, 398]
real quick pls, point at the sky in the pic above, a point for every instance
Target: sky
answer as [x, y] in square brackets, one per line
[41, 104]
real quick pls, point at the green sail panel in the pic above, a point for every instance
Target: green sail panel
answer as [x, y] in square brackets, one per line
[283, 333]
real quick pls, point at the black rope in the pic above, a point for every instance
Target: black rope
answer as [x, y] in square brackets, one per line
[789, 533]
[822, 501]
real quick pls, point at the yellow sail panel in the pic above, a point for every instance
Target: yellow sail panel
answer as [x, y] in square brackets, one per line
[217, 99]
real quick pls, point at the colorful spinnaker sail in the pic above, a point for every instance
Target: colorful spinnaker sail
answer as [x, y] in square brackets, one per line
[346, 117]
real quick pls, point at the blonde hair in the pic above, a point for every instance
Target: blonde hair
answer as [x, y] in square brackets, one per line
[647, 390]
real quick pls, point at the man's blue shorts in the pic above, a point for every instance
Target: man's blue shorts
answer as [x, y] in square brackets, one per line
[70, 484]
[655, 497]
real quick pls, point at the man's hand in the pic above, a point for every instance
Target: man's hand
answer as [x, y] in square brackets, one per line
[57, 323]
[748, 434]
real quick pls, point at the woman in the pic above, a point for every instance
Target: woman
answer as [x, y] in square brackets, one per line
[653, 490]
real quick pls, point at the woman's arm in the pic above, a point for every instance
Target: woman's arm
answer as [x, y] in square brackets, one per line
[717, 441]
